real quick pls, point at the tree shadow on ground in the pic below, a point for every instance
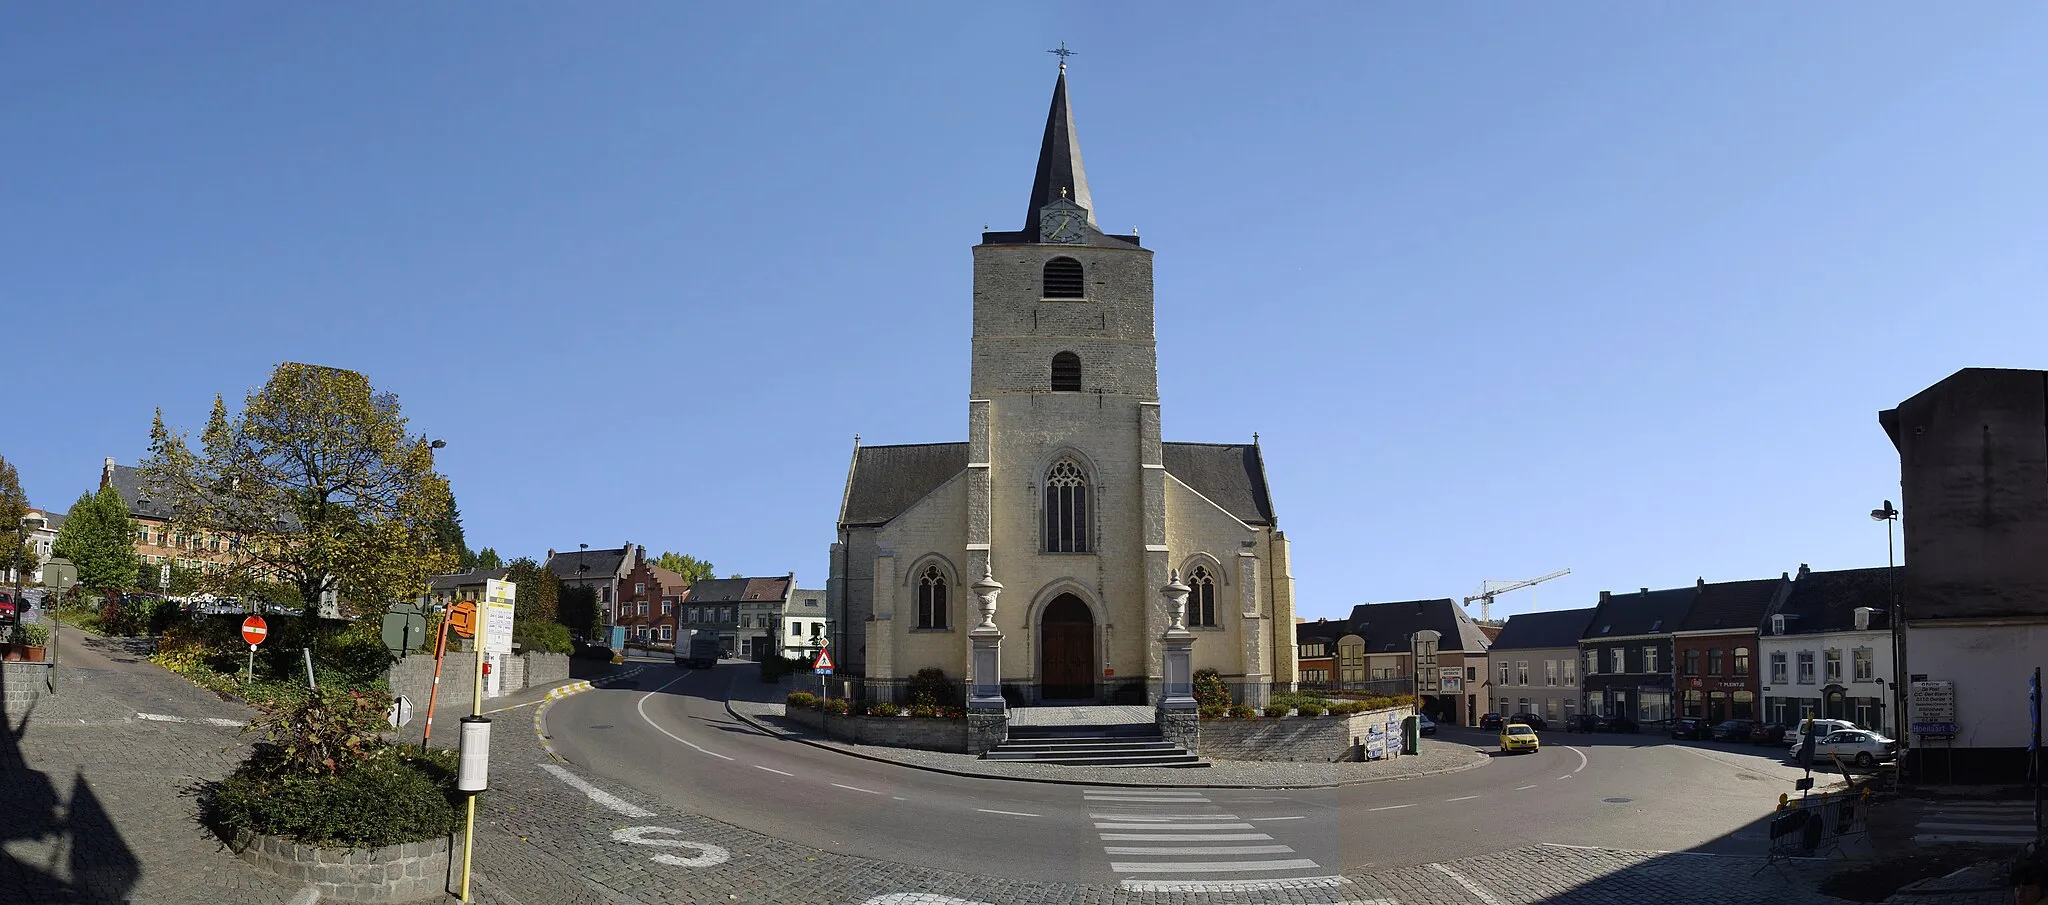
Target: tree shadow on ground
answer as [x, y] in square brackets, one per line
[75, 832]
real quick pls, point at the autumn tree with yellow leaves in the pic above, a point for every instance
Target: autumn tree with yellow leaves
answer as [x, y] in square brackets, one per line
[316, 484]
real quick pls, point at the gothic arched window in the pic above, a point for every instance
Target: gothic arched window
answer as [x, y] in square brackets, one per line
[1063, 279]
[1066, 373]
[931, 599]
[1066, 508]
[1201, 597]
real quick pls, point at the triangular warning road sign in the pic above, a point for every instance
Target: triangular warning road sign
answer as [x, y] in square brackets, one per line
[824, 660]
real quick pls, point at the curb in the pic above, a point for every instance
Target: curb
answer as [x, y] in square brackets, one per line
[540, 724]
[1079, 782]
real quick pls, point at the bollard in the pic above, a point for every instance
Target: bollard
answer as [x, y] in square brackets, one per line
[309, 668]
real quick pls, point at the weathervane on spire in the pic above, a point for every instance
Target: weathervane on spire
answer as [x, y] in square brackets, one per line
[1063, 53]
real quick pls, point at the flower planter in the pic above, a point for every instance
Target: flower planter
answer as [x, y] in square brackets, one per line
[21, 653]
[411, 872]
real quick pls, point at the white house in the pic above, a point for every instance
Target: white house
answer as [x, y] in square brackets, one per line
[1821, 659]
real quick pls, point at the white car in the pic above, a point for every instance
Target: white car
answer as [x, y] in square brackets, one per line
[1863, 746]
[1821, 729]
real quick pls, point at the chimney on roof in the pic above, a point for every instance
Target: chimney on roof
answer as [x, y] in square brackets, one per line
[1701, 583]
[1804, 571]
[1646, 590]
[1604, 595]
[1784, 576]
[639, 553]
[107, 472]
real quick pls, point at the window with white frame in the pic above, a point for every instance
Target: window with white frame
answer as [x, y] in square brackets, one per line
[668, 633]
[1617, 661]
[1503, 673]
[1834, 665]
[1777, 667]
[1806, 667]
[1550, 672]
[1592, 663]
[1571, 667]
[1742, 662]
[1649, 659]
[1521, 672]
[1864, 665]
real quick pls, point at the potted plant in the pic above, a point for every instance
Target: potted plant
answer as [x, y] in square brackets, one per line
[26, 642]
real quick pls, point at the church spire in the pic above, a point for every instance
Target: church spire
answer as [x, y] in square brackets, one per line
[1060, 175]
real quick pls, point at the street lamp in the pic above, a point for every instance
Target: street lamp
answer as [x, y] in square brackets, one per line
[1894, 612]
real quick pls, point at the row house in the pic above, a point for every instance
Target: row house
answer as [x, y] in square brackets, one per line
[446, 590]
[602, 571]
[1973, 478]
[39, 530]
[740, 611]
[648, 597]
[1316, 651]
[1376, 653]
[159, 542]
[1714, 649]
[806, 623]
[1627, 651]
[1821, 658]
[1535, 664]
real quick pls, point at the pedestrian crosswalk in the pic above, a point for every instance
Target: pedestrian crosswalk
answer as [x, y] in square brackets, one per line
[1986, 822]
[1180, 836]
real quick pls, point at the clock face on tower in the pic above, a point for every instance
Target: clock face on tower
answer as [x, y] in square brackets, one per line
[1063, 222]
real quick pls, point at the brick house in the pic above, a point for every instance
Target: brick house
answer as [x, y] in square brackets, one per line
[1716, 648]
[1316, 651]
[647, 600]
[602, 571]
[1455, 695]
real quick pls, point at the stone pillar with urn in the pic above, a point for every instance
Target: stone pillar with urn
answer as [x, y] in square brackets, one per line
[988, 717]
[1179, 720]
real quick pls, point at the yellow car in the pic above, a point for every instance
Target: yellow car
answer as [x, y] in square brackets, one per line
[1516, 738]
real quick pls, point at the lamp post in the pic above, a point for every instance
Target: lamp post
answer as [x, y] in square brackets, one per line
[1895, 614]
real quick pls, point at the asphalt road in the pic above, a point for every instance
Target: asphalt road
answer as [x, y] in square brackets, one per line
[668, 735]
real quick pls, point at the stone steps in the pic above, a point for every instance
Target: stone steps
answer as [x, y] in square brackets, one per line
[1115, 745]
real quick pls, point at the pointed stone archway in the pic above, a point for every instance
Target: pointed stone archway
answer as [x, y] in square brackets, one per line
[1066, 651]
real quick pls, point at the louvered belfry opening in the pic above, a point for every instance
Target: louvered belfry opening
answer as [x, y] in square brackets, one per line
[1063, 279]
[1066, 373]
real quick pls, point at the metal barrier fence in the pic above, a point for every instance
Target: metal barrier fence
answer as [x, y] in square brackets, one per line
[1818, 825]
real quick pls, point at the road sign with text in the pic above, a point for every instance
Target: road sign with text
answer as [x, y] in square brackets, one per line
[823, 665]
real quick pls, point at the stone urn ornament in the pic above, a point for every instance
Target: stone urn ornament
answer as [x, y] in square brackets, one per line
[985, 591]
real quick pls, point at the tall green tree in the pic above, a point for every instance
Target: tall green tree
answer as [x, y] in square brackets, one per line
[690, 567]
[15, 552]
[538, 591]
[578, 610]
[487, 558]
[447, 535]
[319, 483]
[99, 538]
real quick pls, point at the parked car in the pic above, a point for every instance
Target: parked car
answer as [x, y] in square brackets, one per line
[8, 616]
[1822, 728]
[1516, 738]
[1619, 724]
[1582, 722]
[1863, 746]
[1690, 727]
[1766, 733]
[1530, 720]
[1424, 724]
[1733, 730]
[1491, 721]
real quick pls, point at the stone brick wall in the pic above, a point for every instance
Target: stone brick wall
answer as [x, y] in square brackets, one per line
[410, 872]
[21, 684]
[544, 669]
[414, 677]
[923, 733]
[1325, 739]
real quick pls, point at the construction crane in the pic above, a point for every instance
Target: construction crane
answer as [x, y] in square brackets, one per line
[1488, 590]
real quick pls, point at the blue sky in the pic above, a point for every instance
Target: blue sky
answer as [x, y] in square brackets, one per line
[1503, 289]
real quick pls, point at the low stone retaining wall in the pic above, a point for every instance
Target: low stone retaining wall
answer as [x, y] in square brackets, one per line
[395, 873]
[544, 669]
[924, 733]
[21, 683]
[1323, 739]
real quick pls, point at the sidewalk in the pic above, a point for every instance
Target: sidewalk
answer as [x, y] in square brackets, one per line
[759, 704]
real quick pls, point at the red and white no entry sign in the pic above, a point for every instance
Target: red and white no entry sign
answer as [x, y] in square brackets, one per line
[254, 630]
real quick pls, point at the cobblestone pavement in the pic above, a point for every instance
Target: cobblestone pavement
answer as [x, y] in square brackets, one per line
[1435, 757]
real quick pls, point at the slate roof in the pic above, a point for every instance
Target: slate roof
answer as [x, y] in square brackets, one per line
[1827, 601]
[471, 578]
[1389, 626]
[740, 590]
[1320, 630]
[601, 563]
[127, 481]
[885, 481]
[1732, 604]
[1640, 613]
[1555, 628]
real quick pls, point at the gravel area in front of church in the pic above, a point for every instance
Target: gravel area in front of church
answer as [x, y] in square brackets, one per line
[1436, 757]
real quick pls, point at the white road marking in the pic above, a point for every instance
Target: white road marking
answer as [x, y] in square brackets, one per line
[899, 798]
[1183, 837]
[773, 770]
[1011, 813]
[1391, 807]
[1981, 827]
[1460, 798]
[1263, 819]
[1980, 837]
[642, 708]
[1582, 760]
[707, 854]
[1524, 788]
[1479, 892]
[596, 794]
[1212, 867]
[918, 898]
[1197, 849]
[856, 789]
[1136, 798]
[208, 720]
[1244, 886]
[1177, 826]
[1164, 818]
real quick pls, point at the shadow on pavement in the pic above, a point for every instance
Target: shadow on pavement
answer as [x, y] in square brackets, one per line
[102, 867]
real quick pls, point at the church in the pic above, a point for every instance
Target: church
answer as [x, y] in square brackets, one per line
[1065, 492]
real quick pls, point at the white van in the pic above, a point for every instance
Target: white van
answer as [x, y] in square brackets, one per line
[1821, 728]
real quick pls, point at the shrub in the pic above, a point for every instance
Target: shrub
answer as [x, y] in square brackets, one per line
[1210, 690]
[837, 706]
[357, 652]
[1312, 709]
[1299, 699]
[1211, 711]
[923, 710]
[1346, 708]
[544, 636]
[930, 688]
[327, 733]
[803, 699]
[774, 667]
[1243, 712]
[883, 708]
[398, 795]
[1277, 710]
[953, 713]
